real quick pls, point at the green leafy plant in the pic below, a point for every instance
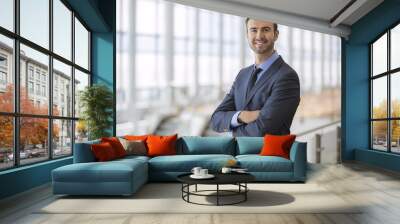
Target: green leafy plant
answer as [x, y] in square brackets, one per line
[96, 102]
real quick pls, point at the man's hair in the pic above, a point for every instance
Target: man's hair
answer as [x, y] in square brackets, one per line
[275, 25]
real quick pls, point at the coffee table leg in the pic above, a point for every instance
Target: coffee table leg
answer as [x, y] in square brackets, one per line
[245, 191]
[196, 188]
[188, 189]
[217, 194]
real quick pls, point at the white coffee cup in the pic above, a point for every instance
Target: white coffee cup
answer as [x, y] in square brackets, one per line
[226, 170]
[196, 170]
[203, 172]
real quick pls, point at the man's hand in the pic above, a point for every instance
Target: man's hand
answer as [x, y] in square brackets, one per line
[247, 116]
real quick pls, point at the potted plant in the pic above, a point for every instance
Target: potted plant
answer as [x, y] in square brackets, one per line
[96, 103]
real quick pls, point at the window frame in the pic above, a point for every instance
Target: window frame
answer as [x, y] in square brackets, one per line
[388, 74]
[16, 114]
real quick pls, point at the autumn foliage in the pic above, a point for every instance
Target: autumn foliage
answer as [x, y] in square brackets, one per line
[33, 130]
[380, 127]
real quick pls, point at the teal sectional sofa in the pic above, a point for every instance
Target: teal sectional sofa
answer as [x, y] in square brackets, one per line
[125, 176]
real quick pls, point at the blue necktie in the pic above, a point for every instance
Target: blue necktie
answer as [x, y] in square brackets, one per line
[253, 79]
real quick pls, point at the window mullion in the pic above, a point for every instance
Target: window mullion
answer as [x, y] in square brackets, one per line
[389, 112]
[371, 142]
[73, 82]
[50, 81]
[16, 84]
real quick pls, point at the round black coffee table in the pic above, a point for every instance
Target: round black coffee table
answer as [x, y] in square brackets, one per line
[238, 179]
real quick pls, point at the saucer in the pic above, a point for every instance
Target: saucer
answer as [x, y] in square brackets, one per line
[208, 176]
[240, 171]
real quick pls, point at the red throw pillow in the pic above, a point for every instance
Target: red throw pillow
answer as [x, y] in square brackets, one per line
[161, 145]
[103, 151]
[116, 145]
[277, 145]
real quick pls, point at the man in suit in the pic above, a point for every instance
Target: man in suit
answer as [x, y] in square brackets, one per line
[264, 96]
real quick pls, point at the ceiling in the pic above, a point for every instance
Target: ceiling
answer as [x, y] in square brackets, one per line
[326, 16]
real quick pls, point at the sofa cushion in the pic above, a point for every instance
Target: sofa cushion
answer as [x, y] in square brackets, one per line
[111, 171]
[134, 147]
[132, 158]
[249, 145]
[116, 145]
[195, 145]
[103, 151]
[257, 163]
[161, 145]
[136, 137]
[277, 145]
[185, 163]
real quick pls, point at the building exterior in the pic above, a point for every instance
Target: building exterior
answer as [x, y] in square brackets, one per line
[34, 80]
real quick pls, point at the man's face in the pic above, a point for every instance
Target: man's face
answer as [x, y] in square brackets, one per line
[261, 36]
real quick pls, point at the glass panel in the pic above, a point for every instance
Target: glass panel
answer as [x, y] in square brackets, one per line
[7, 14]
[145, 63]
[81, 45]
[395, 94]
[34, 81]
[379, 55]
[146, 11]
[180, 21]
[6, 142]
[379, 98]
[33, 139]
[62, 89]
[395, 136]
[62, 138]
[379, 135]
[81, 81]
[205, 26]
[6, 74]
[62, 29]
[395, 47]
[81, 131]
[35, 21]
[146, 44]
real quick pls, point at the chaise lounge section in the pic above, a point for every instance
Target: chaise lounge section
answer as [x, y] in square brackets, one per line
[88, 177]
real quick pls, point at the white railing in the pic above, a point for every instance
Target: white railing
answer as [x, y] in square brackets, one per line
[323, 143]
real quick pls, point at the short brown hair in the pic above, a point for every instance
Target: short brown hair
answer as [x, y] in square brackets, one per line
[275, 25]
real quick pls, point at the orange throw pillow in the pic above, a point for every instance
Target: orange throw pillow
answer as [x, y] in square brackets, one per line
[136, 137]
[116, 145]
[277, 145]
[161, 145]
[103, 152]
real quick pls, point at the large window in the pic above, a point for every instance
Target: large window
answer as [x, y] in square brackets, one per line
[385, 94]
[40, 80]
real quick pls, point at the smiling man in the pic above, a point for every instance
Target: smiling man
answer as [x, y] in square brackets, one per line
[264, 96]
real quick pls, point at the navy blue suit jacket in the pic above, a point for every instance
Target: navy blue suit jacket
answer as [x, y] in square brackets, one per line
[276, 94]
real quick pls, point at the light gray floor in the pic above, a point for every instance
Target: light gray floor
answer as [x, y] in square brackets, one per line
[379, 189]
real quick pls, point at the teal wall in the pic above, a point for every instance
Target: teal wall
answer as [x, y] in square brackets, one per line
[355, 85]
[103, 63]
[104, 52]
[24, 178]
[380, 159]
[100, 17]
